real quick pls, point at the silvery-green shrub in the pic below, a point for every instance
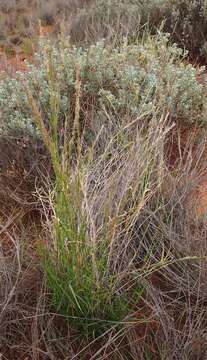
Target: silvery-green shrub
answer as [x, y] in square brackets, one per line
[133, 80]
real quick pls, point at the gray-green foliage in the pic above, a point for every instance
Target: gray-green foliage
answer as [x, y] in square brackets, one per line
[185, 20]
[136, 80]
[112, 19]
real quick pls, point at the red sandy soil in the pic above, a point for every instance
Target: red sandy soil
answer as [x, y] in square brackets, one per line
[11, 64]
[200, 193]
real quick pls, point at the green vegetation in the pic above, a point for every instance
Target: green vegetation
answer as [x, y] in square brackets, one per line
[103, 146]
[88, 21]
[184, 20]
[136, 80]
[76, 265]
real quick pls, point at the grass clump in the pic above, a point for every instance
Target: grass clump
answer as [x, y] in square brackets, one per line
[76, 264]
[118, 254]
[111, 225]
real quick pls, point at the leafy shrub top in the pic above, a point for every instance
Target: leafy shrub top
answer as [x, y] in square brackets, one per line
[136, 80]
[185, 20]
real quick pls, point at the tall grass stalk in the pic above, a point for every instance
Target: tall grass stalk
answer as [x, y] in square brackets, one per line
[76, 263]
[114, 226]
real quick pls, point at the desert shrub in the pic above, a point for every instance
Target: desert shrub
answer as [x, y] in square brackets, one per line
[131, 79]
[112, 19]
[184, 20]
[90, 21]
[187, 23]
